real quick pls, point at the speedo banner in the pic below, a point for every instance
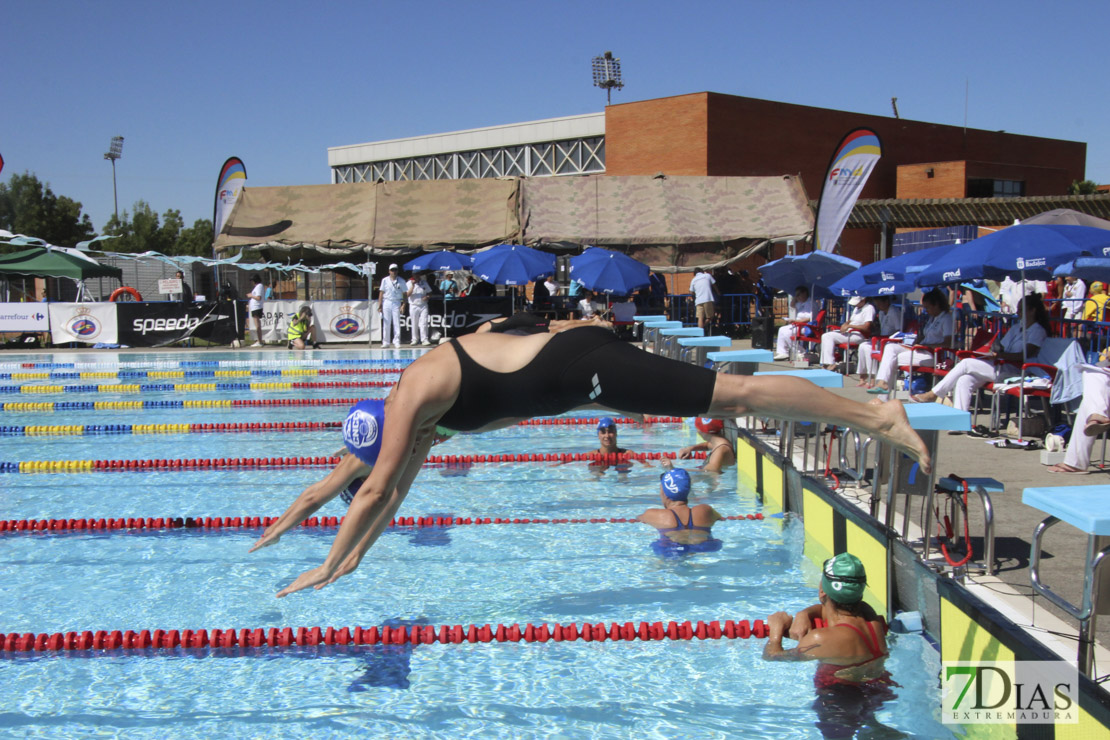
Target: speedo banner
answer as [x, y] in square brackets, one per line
[90, 323]
[849, 168]
[156, 324]
[457, 316]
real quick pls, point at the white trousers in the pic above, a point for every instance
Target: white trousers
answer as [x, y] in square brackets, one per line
[391, 316]
[1096, 400]
[418, 314]
[865, 364]
[830, 339]
[969, 375]
[786, 341]
[895, 355]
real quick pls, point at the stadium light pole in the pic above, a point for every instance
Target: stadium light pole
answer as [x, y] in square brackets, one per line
[607, 74]
[115, 151]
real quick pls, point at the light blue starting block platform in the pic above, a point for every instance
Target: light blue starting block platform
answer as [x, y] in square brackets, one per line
[822, 378]
[695, 349]
[1087, 508]
[651, 331]
[668, 339]
[926, 417]
[740, 361]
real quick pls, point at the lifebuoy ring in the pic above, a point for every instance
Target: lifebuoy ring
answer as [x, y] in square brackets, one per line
[120, 294]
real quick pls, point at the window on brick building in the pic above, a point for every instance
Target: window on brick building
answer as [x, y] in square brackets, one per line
[985, 187]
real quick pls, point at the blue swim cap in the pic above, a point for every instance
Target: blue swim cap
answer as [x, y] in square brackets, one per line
[676, 484]
[362, 431]
[605, 422]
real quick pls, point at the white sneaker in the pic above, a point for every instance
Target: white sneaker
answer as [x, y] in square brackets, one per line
[257, 344]
[782, 357]
[396, 345]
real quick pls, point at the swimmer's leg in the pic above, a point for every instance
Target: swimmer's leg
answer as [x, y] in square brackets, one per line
[795, 399]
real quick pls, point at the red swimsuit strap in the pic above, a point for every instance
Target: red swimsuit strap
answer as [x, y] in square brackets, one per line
[872, 644]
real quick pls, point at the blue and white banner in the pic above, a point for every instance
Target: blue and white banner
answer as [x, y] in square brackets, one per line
[20, 317]
[91, 323]
[849, 169]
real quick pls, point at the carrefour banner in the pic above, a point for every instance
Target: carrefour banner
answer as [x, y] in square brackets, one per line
[851, 165]
[233, 176]
[20, 317]
[91, 323]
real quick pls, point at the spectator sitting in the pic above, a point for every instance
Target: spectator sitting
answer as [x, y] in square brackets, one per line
[587, 308]
[972, 373]
[1092, 419]
[541, 296]
[719, 453]
[448, 287]
[803, 311]
[936, 333]
[854, 332]
[682, 528]
[890, 322]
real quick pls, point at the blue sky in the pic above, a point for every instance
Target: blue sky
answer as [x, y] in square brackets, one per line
[276, 83]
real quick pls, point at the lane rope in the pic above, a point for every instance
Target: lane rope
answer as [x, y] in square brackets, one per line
[50, 526]
[226, 463]
[185, 374]
[299, 362]
[54, 406]
[275, 637]
[195, 387]
[213, 427]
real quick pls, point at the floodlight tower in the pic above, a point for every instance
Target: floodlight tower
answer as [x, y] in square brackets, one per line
[115, 151]
[607, 74]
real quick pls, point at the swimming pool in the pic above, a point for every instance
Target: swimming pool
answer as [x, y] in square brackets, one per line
[495, 574]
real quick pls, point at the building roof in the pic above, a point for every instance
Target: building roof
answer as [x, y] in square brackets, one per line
[933, 212]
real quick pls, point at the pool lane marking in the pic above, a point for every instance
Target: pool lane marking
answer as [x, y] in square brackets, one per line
[215, 427]
[183, 374]
[54, 406]
[195, 387]
[53, 526]
[224, 463]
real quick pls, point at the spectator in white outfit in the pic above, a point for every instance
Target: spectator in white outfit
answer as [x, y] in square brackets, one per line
[853, 332]
[418, 292]
[1075, 293]
[972, 373]
[705, 305]
[890, 322]
[1091, 420]
[937, 332]
[390, 295]
[802, 305]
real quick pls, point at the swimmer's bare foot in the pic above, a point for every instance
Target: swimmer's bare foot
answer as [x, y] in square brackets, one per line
[895, 427]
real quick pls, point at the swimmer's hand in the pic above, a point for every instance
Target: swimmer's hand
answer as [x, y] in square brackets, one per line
[265, 541]
[777, 624]
[316, 578]
[686, 453]
[800, 626]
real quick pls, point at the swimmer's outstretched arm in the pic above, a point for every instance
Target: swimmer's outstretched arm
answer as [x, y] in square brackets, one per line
[799, 400]
[312, 498]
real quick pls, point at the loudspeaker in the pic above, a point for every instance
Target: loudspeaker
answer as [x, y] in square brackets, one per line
[763, 332]
[562, 270]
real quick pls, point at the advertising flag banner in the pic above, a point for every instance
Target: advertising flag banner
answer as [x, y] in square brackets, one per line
[849, 169]
[21, 317]
[344, 321]
[160, 323]
[1, 162]
[91, 323]
[233, 176]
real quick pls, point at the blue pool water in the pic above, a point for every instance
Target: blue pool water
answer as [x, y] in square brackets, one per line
[459, 575]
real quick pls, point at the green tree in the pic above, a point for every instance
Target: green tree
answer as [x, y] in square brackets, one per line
[1082, 187]
[29, 207]
[195, 240]
[143, 231]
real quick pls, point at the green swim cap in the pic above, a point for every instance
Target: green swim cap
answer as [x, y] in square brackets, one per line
[843, 578]
[445, 432]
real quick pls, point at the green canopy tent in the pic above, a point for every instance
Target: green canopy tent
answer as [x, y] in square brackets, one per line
[42, 262]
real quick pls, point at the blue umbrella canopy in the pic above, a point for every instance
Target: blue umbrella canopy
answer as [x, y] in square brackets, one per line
[609, 272]
[816, 270]
[512, 264]
[1024, 251]
[858, 283]
[1085, 268]
[905, 266]
[439, 261]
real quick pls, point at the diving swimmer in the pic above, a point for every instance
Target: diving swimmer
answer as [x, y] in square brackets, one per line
[481, 382]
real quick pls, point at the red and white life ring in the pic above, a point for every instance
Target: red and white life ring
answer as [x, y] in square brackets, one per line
[121, 294]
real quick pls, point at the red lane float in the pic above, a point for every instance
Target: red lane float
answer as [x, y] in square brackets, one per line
[274, 637]
[13, 526]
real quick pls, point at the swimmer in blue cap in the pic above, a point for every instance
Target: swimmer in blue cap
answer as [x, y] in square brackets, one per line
[481, 382]
[362, 436]
[682, 528]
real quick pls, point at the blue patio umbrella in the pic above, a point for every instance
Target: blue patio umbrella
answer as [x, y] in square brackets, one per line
[512, 264]
[857, 283]
[1027, 252]
[609, 272]
[815, 270]
[1085, 268]
[905, 265]
[440, 261]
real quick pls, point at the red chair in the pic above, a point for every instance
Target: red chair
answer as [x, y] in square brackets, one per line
[816, 327]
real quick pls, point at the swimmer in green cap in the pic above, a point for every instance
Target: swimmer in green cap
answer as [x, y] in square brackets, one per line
[851, 682]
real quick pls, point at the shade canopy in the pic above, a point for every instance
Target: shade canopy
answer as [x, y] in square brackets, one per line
[440, 261]
[1029, 251]
[42, 262]
[817, 271]
[609, 272]
[1085, 268]
[512, 264]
